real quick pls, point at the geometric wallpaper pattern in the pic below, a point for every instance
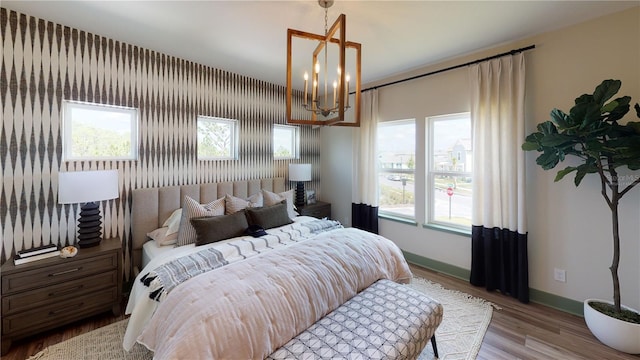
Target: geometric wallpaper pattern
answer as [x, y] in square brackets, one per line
[44, 63]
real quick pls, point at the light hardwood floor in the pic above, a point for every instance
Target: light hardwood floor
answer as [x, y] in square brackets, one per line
[517, 331]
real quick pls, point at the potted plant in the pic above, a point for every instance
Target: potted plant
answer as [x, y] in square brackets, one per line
[591, 132]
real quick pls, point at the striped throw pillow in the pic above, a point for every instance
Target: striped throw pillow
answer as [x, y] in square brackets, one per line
[192, 209]
[234, 204]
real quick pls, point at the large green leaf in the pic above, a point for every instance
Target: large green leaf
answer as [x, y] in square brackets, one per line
[586, 114]
[562, 173]
[548, 159]
[635, 125]
[562, 119]
[557, 140]
[583, 170]
[530, 146]
[606, 90]
[547, 127]
[584, 98]
[621, 108]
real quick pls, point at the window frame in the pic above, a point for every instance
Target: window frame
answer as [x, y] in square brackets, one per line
[431, 173]
[234, 137]
[67, 129]
[392, 214]
[295, 141]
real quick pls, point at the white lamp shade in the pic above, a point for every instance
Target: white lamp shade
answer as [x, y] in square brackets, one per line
[87, 186]
[300, 172]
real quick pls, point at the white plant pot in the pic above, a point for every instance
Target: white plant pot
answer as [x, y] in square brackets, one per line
[620, 335]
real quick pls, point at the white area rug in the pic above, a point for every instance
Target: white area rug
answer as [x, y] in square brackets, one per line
[459, 336]
[464, 322]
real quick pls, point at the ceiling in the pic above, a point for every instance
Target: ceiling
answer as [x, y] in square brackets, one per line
[249, 37]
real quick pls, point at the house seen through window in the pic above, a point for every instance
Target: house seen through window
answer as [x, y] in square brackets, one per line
[449, 170]
[396, 164]
[446, 200]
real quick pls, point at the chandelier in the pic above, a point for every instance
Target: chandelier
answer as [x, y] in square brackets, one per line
[334, 71]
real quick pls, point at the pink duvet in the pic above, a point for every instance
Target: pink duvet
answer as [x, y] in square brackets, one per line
[246, 310]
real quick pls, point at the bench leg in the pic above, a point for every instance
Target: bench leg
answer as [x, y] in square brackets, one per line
[435, 347]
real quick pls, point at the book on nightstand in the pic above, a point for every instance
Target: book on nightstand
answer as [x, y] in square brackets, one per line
[37, 250]
[22, 259]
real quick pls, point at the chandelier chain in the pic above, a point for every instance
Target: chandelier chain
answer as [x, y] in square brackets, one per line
[326, 20]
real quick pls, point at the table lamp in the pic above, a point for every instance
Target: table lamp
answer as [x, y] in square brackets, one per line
[88, 187]
[299, 173]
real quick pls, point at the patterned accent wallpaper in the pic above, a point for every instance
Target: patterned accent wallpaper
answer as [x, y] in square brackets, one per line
[44, 63]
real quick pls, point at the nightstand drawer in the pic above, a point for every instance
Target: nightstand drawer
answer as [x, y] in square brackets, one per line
[318, 210]
[68, 269]
[45, 317]
[57, 293]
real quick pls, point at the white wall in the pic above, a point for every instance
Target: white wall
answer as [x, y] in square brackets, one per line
[569, 227]
[336, 162]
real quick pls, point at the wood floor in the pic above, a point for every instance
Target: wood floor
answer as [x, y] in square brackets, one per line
[517, 331]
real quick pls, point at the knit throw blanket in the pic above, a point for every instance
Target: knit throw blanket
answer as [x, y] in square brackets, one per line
[166, 277]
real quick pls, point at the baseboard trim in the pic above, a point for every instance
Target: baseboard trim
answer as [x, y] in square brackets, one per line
[537, 296]
[438, 266]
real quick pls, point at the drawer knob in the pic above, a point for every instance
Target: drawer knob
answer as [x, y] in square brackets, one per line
[65, 272]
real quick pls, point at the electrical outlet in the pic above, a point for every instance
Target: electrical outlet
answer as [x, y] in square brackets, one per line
[560, 275]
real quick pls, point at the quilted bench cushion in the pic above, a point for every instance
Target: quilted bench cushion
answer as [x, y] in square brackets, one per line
[387, 320]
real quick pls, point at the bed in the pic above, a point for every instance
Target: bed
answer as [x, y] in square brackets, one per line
[244, 296]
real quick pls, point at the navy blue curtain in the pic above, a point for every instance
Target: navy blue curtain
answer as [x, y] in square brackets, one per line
[364, 217]
[499, 261]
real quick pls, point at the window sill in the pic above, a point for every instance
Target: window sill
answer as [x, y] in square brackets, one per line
[398, 219]
[447, 229]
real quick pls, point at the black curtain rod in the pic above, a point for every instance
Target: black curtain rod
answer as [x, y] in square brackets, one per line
[512, 52]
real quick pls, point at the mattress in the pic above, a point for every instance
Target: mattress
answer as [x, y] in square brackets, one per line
[150, 250]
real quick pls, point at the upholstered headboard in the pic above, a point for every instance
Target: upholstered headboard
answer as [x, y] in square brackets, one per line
[152, 206]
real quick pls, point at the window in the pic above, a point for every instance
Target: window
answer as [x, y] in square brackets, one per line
[99, 132]
[217, 138]
[396, 167]
[449, 180]
[285, 142]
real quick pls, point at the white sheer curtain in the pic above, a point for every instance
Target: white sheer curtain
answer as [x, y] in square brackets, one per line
[499, 233]
[365, 163]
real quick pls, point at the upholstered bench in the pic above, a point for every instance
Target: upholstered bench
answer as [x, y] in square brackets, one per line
[387, 320]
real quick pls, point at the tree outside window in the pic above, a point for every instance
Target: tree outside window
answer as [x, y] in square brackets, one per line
[99, 132]
[217, 138]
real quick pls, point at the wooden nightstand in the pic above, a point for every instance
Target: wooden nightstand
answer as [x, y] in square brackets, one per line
[45, 294]
[320, 210]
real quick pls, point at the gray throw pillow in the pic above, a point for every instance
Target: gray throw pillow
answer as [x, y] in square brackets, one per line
[215, 228]
[269, 216]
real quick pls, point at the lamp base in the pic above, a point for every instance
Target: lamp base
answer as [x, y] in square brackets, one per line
[89, 230]
[300, 194]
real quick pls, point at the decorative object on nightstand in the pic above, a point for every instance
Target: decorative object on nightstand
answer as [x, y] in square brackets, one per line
[319, 210]
[49, 293]
[88, 187]
[300, 173]
[311, 197]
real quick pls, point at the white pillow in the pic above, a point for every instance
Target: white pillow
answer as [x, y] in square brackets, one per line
[162, 237]
[192, 209]
[271, 198]
[234, 204]
[173, 222]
